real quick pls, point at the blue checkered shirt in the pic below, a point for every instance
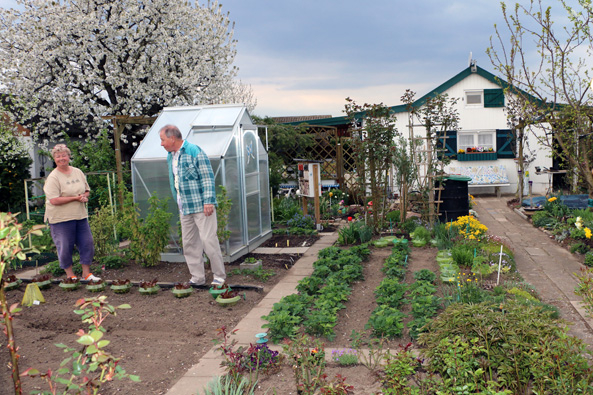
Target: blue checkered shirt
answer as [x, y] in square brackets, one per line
[196, 179]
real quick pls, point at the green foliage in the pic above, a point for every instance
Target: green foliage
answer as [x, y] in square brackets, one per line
[386, 321]
[579, 247]
[373, 153]
[557, 209]
[410, 224]
[589, 259]
[393, 217]
[463, 254]
[112, 261]
[398, 371]
[260, 274]
[420, 233]
[425, 275]
[346, 357]
[515, 344]
[299, 220]
[93, 359]
[225, 385]
[356, 232]
[15, 160]
[309, 362]
[103, 227]
[284, 143]
[222, 215]
[543, 219]
[150, 235]
[391, 293]
[286, 208]
[445, 235]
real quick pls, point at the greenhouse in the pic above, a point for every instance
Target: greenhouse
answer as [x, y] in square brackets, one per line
[240, 164]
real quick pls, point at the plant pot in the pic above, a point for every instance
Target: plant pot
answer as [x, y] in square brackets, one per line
[121, 289]
[251, 266]
[12, 285]
[215, 292]
[228, 302]
[43, 284]
[182, 293]
[95, 287]
[149, 291]
[69, 286]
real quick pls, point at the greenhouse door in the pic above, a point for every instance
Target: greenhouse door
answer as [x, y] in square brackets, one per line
[252, 184]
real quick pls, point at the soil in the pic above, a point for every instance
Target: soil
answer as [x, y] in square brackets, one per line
[161, 336]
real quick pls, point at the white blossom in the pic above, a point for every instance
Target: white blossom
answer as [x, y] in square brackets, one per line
[76, 61]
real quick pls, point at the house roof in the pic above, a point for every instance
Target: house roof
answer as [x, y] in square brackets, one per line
[303, 118]
[335, 121]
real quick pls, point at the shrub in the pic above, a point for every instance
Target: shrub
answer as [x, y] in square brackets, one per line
[579, 247]
[463, 254]
[356, 232]
[299, 220]
[15, 168]
[392, 217]
[112, 261]
[589, 259]
[543, 219]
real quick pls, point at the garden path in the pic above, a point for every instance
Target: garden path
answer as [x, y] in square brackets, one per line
[541, 261]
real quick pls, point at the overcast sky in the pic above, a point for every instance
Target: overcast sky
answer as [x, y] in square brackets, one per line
[305, 57]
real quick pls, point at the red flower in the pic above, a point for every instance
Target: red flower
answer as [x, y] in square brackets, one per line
[349, 219]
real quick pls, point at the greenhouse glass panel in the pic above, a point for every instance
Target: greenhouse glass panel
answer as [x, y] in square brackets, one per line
[227, 135]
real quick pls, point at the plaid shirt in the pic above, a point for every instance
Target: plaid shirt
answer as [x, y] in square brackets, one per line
[196, 179]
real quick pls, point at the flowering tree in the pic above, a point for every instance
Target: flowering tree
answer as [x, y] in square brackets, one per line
[72, 62]
[14, 168]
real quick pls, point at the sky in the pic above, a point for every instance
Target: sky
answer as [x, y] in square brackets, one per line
[306, 57]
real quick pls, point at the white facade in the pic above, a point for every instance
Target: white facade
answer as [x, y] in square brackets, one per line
[481, 123]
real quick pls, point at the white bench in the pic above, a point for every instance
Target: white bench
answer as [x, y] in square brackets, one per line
[484, 176]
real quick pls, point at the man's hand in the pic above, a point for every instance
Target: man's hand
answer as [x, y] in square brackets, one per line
[208, 209]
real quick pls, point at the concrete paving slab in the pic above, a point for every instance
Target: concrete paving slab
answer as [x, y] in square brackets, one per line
[534, 251]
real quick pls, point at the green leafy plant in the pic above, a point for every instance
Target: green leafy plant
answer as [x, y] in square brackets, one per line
[103, 226]
[398, 370]
[87, 369]
[11, 247]
[223, 210]
[345, 357]
[356, 232]
[386, 321]
[371, 352]
[308, 355]
[260, 274]
[150, 236]
[112, 261]
[337, 386]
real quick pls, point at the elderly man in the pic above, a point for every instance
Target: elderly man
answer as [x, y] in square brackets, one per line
[192, 184]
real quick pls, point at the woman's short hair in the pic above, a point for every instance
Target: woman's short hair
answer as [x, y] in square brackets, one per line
[60, 148]
[172, 131]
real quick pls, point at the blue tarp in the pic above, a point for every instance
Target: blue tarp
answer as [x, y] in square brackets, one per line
[572, 201]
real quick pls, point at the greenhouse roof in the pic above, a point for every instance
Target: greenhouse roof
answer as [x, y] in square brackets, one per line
[210, 127]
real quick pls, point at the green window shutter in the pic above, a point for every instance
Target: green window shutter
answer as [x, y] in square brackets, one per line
[493, 98]
[505, 143]
[449, 143]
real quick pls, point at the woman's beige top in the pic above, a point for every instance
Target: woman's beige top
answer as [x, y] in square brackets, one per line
[59, 184]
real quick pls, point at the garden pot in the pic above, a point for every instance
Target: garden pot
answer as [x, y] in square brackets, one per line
[261, 338]
[251, 266]
[95, 287]
[43, 284]
[12, 285]
[215, 292]
[182, 293]
[228, 302]
[149, 291]
[69, 286]
[121, 289]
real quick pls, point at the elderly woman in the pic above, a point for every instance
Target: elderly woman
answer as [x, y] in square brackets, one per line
[67, 193]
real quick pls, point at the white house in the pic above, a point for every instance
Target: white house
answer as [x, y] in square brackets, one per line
[482, 123]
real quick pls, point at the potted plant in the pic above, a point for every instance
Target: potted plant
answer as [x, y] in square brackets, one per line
[70, 284]
[121, 286]
[95, 286]
[250, 263]
[228, 298]
[43, 281]
[182, 290]
[149, 287]
[11, 282]
[215, 291]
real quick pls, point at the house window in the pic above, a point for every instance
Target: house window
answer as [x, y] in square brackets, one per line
[473, 98]
[485, 139]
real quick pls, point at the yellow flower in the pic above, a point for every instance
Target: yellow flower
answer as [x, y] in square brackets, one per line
[331, 194]
[553, 198]
[587, 233]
